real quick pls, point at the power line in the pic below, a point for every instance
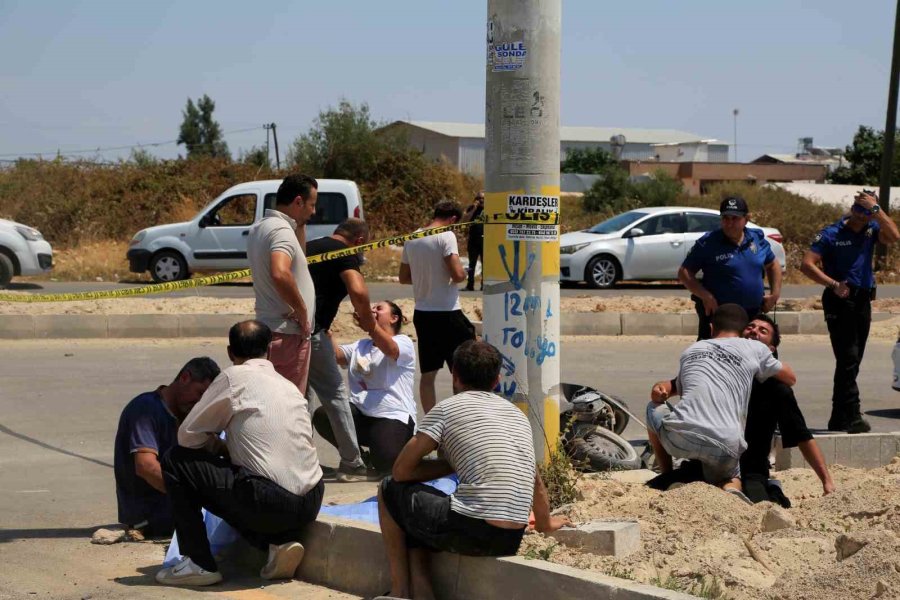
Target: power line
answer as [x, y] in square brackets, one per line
[111, 148]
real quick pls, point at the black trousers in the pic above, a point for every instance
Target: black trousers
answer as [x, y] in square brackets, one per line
[772, 404]
[703, 326]
[384, 438]
[848, 321]
[262, 511]
[475, 249]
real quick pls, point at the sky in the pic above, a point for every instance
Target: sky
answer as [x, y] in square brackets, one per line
[76, 76]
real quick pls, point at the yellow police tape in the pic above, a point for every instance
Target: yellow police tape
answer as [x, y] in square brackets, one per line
[172, 286]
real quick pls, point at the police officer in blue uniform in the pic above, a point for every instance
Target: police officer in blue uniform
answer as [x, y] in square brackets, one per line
[733, 260]
[844, 250]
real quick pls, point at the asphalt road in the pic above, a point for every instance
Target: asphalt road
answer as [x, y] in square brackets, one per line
[389, 291]
[60, 402]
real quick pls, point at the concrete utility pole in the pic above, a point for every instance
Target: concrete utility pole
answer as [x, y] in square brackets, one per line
[521, 247]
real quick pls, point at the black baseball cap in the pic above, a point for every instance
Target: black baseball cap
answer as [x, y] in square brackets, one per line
[735, 206]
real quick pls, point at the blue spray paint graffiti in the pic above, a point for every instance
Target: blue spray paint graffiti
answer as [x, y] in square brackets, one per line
[515, 277]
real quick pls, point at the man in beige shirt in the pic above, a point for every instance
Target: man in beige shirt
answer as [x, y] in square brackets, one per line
[285, 295]
[264, 479]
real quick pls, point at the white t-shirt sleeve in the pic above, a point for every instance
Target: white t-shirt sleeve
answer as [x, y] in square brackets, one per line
[348, 349]
[407, 356]
[448, 244]
[768, 364]
[282, 239]
[405, 256]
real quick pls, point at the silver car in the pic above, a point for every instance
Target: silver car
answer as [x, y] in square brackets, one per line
[644, 244]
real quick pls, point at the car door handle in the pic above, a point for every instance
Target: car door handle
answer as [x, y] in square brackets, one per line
[245, 232]
[675, 244]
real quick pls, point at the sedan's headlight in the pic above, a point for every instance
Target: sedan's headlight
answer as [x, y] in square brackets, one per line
[29, 233]
[140, 235]
[572, 249]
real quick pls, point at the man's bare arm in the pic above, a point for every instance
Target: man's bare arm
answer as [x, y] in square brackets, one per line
[359, 298]
[454, 265]
[286, 286]
[147, 467]
[405, 274]
[544, 522]
[689, 280]
[786, 375]
[411, 464]
[810, 451]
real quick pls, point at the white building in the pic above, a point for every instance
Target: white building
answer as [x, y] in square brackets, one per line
[462, 144]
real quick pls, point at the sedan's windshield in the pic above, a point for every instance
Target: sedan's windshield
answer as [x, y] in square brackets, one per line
[618, 222]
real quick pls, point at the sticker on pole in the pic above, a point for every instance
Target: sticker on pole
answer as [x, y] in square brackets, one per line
[507, 56]
[522, 203]
[532, 233]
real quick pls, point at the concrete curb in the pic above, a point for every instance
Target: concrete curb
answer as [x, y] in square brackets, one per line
[349, 556]
[17, 327]
[860, 450]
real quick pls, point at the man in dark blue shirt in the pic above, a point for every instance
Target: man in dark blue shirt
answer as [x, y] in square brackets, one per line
[148, 428]
[840, 258]
[733, 260]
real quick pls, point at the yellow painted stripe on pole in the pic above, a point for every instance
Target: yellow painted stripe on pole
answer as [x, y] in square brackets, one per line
[172, 286]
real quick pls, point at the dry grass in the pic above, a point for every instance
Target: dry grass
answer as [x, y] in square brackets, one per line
[93, 261]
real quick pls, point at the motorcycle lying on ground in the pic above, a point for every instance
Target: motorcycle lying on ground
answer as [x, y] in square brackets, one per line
[590, 424]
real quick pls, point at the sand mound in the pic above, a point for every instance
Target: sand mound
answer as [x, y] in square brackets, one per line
[697, 533]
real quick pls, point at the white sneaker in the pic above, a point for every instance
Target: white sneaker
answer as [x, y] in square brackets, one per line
[283, 561]
[187, 572]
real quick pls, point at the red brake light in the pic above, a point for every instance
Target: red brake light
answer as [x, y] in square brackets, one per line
[356, 212]
[777, 237]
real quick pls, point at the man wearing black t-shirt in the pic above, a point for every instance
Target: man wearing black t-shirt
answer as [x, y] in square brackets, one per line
[334, 279]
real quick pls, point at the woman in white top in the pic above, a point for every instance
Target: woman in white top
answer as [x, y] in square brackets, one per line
[381, 373]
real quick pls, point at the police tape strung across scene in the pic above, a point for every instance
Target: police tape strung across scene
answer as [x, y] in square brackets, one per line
[172, 286]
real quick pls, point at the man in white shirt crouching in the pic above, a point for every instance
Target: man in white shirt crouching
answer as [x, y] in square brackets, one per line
[264, 479]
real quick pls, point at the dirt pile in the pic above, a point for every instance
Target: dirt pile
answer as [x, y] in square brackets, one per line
[846, 545]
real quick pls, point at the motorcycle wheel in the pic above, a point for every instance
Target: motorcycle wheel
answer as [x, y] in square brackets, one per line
[603, 450]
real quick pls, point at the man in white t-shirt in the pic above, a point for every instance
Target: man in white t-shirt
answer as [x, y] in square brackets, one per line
[431, 264]
[486, 440]
[284, 290]
[715, 378]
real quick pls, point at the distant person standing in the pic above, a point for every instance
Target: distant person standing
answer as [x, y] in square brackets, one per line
[733, 259]
[334, 280]
[285, 295]
[844, 250]
[475, 247]
[431, 264]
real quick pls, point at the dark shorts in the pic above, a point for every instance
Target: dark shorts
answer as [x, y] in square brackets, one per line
[424, 514]
[440, 333]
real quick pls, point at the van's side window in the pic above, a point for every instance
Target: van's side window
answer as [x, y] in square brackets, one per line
[234, 211]
[331, 208]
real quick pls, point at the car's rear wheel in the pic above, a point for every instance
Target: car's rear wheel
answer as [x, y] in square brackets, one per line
[168, 265]
[603, 272]
[6, 270]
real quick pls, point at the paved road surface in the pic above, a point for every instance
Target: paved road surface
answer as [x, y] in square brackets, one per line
[388, 291]
[60, 401]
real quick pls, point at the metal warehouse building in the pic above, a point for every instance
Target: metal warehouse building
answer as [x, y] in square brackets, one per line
[462, 144]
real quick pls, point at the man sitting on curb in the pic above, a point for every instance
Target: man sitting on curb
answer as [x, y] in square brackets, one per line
[264, 480]
[148, 428]
[714, 380]
[486, 440]
[772, 404]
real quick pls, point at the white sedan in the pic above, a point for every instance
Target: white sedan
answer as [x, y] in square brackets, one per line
[643, 244]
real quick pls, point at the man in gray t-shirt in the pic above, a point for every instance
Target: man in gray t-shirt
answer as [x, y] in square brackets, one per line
[285, 295]
[714, 380]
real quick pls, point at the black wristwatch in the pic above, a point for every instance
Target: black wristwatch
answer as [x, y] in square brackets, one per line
[875, 210]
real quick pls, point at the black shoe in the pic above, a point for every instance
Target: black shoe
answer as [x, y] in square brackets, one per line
[469, 288]
[858, 425]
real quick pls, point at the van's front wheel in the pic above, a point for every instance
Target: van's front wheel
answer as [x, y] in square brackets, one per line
[168, 265]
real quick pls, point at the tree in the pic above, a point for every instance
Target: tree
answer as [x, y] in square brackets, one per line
[256, 156]
[342, 144]
[615, 192]
[200, 133]
[592, 160]
[864, 156]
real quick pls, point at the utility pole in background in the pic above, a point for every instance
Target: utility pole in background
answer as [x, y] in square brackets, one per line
[890, 130]
[267, 127]
[521, 235]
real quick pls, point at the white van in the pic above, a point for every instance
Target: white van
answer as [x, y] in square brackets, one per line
[216, 239]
